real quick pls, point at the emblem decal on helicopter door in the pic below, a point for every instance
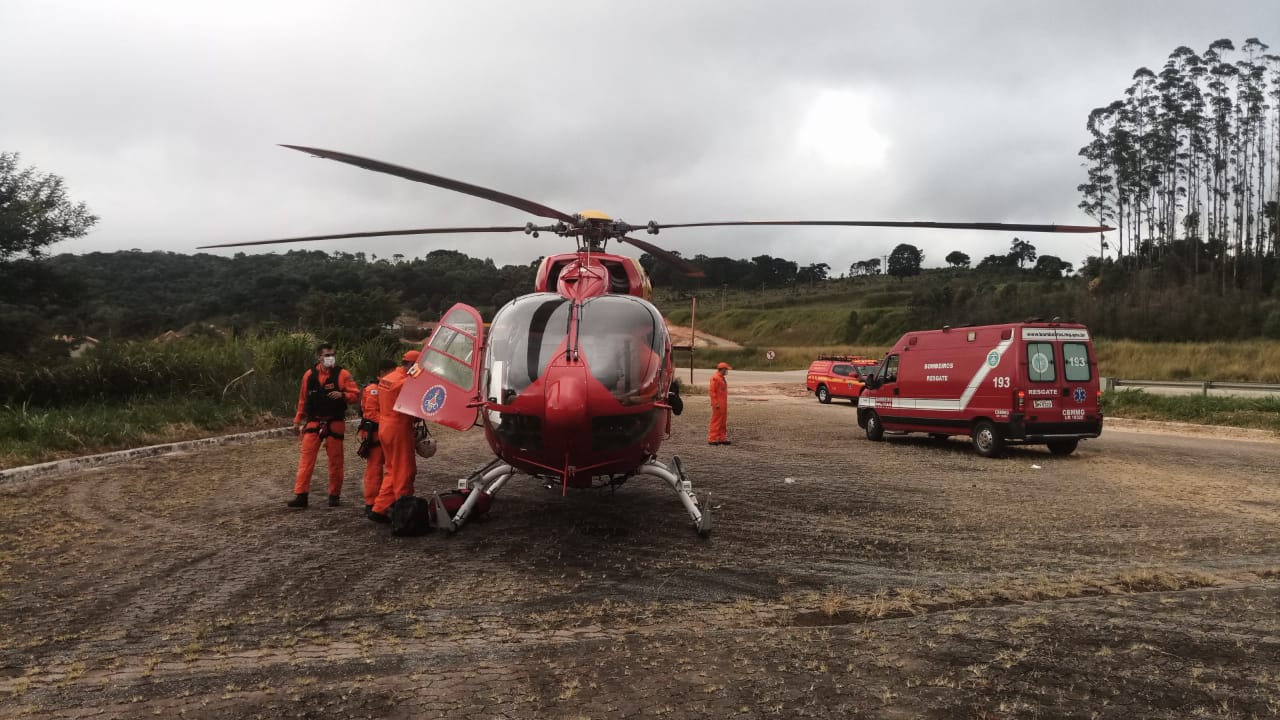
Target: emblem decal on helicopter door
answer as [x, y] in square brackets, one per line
[433, 399]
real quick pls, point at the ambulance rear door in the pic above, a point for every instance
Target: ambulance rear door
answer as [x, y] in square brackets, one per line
[1061, 378]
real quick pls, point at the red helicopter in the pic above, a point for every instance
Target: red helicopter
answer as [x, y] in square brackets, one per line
[574, 383]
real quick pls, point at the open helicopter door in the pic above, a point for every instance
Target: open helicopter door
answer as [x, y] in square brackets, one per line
[443, 386]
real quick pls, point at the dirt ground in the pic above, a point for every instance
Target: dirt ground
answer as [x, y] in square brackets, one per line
[911, 578]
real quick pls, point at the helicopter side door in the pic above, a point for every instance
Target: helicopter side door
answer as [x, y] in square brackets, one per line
[443, 385]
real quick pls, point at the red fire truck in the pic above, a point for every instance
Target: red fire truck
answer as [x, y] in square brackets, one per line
[833, 376]
[1032, 382]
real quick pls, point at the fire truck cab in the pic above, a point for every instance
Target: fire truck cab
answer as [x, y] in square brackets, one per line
[1032, 383]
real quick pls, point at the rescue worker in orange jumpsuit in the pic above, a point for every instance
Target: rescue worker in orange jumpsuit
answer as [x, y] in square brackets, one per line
[322, 415]
[395, 432]
[719, 392]
[370, 448]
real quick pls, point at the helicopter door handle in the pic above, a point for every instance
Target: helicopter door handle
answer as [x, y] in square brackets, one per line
[895, 391]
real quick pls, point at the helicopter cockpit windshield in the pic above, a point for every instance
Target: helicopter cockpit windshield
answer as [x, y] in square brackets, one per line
[523, 338]
[619, 340]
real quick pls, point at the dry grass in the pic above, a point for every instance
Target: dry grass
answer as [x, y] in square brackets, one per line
[1239, 361]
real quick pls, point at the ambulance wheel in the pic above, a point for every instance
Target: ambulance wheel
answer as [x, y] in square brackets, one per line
[987, 440]
[824, 396]
[875, 431]
[1063, 447]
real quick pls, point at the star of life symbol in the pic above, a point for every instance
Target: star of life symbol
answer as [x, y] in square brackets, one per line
[993, 358]
[1078, 395]
[433, 400]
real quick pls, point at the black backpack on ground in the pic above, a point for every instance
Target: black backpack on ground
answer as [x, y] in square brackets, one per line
[410, 516]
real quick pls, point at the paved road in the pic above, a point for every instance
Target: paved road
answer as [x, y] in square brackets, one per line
[745, 377]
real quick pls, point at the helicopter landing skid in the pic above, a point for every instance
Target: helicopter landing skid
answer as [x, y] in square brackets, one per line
[700, 514]
[488, 480]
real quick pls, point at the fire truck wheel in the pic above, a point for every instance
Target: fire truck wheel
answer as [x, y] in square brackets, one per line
[987, 440]
[1063, 447]
[875, 431]
[824, 396]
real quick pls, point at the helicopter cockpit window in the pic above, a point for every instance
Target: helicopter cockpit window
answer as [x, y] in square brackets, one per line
[461, 319]
[621, 341]
[524, 337]
[449, 355]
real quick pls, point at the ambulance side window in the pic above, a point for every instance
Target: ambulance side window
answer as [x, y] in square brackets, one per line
[1075, 358]
[890, 373]
[842, 370]
[1041, 363]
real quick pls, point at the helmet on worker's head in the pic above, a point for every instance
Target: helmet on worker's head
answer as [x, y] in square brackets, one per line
[410, 356]
[724, 366]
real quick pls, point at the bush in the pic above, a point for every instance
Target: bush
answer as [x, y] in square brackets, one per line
[255, 369]
[852, 328]
[888, 327]
[1271, 326]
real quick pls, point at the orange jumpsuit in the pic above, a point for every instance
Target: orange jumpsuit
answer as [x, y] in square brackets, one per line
[333, 429]
[395, 432]
[719, 392]
[373, 463]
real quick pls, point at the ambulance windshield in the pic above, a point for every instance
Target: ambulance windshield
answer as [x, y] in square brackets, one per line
[621, 339]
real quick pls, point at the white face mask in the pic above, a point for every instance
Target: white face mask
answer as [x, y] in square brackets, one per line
[328, 361]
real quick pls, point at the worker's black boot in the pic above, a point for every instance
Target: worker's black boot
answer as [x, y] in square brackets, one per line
[298, 501]
[334, 500]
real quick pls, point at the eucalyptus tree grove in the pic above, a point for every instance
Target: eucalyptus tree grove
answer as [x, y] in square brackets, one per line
[1185, 165]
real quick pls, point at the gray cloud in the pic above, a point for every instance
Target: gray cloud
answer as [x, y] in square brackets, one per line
[163, 117]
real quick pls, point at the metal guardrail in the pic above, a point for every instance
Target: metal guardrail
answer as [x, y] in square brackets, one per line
[1204, 386]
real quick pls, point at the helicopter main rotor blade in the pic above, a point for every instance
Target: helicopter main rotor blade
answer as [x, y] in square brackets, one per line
[1014, 227]
[686, 267]
[518, 203]
[376, 233]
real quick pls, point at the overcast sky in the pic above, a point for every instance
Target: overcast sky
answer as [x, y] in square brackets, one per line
[164, 116]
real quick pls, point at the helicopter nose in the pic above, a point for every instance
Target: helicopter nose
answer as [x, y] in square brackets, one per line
[566, 404]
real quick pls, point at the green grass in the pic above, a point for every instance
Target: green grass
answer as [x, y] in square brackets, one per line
[785, 358]
[31, 435]
[1260, 413]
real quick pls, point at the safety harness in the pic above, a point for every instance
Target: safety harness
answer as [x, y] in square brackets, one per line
[322, 409]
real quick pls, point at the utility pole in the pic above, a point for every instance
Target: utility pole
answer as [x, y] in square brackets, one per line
[724, 292]
[693, 334]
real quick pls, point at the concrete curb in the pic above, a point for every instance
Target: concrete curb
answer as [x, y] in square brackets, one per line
[58, 467]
